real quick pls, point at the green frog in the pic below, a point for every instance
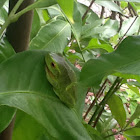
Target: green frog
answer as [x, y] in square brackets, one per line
[62, 77]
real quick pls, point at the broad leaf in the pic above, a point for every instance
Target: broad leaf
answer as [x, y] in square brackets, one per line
[126, 60]
[52, 37]
[6, 115]
[117, 109]
[27, 128]
[23, 85]
[110, 5]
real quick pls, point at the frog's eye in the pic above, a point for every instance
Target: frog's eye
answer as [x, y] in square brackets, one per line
[53, 65]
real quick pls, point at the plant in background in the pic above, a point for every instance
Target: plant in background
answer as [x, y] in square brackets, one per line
[70, 53]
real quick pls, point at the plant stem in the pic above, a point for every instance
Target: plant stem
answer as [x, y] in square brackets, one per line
[113, 89]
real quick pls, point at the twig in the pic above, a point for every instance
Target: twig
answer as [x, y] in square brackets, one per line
[138, 30]
[102, 109]
[102, 12]
[120, 17]
[111, 91]
[88, 9]
[122, 130]
[97, 95]
[134, 12]
[129, 8]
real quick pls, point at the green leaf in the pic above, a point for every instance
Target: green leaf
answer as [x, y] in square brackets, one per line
[6, 116]
[91, 16]
[95, 43]
[110, 5]
[77, 24]
[54, 11]
[2, 3]
[3, 15]
[91, 30]
[23, 85]
[133, 132]
[117, 109]
[52, 37]
[110, 28]
[6, 50]
[67, 7]
[125, 59]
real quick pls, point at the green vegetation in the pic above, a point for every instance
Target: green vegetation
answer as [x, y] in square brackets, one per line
[101, 63]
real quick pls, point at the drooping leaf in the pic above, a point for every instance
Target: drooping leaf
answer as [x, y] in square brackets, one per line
[117, 109]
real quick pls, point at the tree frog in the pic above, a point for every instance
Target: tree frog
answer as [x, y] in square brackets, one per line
[62, 77]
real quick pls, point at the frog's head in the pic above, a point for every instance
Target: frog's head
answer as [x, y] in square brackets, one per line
[54, 66]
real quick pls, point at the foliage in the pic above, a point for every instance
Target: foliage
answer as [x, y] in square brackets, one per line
[106, 47]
